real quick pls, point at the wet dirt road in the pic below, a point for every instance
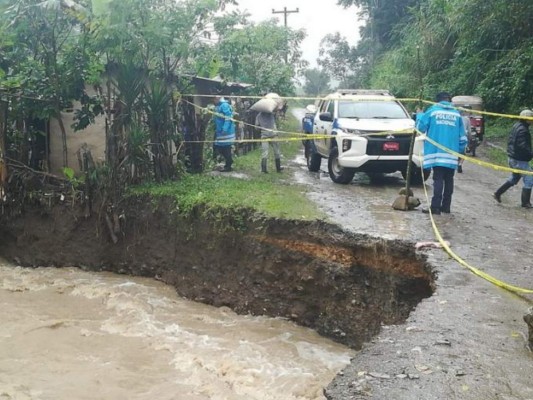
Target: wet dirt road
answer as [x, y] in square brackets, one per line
[468, 341]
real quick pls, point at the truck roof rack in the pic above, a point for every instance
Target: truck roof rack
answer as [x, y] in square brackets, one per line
[372, 92]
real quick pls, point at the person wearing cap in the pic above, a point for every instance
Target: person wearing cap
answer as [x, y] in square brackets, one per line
[520, 153]
[443, 124]
[224, 131]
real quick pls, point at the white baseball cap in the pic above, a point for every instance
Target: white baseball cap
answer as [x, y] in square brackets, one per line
[526, 113]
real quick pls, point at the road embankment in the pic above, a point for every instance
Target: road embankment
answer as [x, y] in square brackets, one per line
[343, 285]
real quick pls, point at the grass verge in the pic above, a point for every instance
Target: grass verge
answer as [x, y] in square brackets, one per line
[272, 194]
[496, 132]
[497, 156]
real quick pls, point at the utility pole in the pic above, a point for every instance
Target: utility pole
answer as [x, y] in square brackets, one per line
[285, 13]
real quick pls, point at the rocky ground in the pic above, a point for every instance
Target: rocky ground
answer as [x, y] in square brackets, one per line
[467, 341]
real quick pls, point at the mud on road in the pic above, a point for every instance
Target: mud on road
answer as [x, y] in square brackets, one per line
[467, 341]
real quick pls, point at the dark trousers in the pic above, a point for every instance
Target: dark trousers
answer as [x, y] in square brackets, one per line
[442, 188]
[225, 151]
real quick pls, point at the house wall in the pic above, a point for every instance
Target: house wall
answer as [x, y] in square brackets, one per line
[93, 136]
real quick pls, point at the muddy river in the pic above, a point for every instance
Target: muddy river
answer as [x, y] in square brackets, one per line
[70, 334]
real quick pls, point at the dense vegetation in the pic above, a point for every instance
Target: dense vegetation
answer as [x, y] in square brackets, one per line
[482, 47]
[138, 56]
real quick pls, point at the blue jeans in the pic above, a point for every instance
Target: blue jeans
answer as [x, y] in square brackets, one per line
[442, 189]
[515, 177]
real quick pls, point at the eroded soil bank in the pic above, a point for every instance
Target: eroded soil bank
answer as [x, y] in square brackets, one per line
[343, 285]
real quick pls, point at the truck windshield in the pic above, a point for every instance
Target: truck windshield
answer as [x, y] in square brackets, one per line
[371, 110]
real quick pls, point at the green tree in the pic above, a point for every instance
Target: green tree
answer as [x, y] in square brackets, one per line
[494, 55]
[46, 57]
[316, 82]
[256, 54]
[343, 62]
[136, 52]
[147, 44]
[353, 65]
[384, 18]
[463, 46]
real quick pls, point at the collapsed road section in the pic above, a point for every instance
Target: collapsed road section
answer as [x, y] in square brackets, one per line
[343, 285]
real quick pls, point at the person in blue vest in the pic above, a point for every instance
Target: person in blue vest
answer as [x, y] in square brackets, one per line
[443, 124]
[224, 131]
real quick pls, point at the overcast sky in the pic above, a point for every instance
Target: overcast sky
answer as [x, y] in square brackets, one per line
[318, 18]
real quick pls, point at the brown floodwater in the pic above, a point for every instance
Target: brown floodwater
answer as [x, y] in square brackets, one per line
[71, 334]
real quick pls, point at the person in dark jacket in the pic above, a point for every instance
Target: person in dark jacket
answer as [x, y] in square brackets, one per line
[520, 154]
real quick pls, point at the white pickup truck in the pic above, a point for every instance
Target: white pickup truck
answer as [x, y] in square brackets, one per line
[365, 131]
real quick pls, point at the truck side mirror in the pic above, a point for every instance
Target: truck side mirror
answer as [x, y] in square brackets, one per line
[326, 117]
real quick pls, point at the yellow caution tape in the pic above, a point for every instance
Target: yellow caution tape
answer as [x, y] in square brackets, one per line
[445, 246]
[474, 270]
[340, 97]
[492, 114]
[275, 139]
[300, 135]
[405, 100]
[310, 136]
[475, 160]
[208, 111]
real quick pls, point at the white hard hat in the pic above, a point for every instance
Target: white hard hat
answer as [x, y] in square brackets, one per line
[526, 113]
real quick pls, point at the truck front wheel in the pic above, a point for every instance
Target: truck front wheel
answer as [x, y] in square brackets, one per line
[337, 173]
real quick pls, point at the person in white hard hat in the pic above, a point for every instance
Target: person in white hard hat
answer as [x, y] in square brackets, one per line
[520, 154]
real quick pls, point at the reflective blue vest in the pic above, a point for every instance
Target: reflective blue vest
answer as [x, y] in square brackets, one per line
[443, 124]
[224, 126]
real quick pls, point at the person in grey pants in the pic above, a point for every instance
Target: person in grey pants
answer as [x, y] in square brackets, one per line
[267, 122]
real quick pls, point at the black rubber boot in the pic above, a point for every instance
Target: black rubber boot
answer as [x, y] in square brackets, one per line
[264, 165]
[526, 198]
[434, 211]
[503, 188]
[279, 168]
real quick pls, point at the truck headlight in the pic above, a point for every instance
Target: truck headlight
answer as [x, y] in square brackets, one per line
[346, 145]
